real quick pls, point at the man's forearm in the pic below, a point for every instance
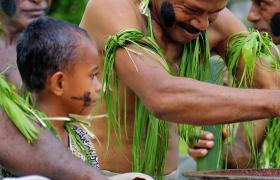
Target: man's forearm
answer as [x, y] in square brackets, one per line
[189, 101]
[46, 157]
[193, 102]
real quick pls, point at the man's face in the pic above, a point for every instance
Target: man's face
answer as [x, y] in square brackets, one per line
[26, 12]
[260, 15]
[190, 17]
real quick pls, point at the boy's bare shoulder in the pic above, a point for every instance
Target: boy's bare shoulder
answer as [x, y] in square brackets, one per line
[103, 18]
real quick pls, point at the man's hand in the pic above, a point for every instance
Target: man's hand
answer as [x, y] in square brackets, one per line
[200, 149]
[206, 142]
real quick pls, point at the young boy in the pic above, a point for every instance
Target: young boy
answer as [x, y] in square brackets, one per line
[59, 64]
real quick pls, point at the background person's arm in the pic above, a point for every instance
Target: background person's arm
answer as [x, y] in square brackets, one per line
[46, 157]
[240, 155]
[221, 32]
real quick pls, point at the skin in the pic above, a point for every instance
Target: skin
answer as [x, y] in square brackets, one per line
[14, 157]
[75, 81]
[171, 98]
[24, 159]
[26, 12]
[260, 15]
[57, 94]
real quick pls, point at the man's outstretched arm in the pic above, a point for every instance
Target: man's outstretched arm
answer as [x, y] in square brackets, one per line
[172, 98]
[46, 157]
[189, 101]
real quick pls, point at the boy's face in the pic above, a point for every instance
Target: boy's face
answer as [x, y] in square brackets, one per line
[81, 85]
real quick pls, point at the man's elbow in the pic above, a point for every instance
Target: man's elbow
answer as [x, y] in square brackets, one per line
[157, 105]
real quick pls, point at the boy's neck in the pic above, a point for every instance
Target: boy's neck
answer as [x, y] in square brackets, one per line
[52, 108]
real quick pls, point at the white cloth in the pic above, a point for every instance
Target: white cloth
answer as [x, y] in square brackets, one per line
[130, 176]
[27, 178]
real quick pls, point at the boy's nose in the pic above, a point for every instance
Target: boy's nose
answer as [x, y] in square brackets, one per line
[98, 86]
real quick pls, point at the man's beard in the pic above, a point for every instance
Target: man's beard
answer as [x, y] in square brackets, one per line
[167, 13]
[275, 24]
[169, 18]
[9, 7]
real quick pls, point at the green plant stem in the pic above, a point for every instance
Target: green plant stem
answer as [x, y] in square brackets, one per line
[213, 160]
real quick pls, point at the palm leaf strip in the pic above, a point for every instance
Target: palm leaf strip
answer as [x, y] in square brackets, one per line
[155, 131]
[18, 111]
[195, 64]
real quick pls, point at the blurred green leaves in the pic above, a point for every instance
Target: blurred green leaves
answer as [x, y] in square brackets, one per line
[68, 10]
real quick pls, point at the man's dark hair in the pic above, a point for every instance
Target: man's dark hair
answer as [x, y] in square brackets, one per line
[45, 47]
[8, 6]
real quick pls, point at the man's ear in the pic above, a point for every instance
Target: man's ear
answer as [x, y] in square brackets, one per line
[56, 82]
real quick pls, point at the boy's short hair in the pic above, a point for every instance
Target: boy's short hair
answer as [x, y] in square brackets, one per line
[45, 47]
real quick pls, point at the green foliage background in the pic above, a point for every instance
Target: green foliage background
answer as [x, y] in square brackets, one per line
[68, 10]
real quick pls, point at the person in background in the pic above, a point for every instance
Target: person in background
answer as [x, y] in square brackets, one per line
[265, 17]
[15, 15]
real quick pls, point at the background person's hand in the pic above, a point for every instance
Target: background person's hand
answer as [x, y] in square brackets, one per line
[200, 149]
[205, 142]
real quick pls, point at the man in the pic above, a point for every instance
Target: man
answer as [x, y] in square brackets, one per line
[264, 14]
[23, 158]
[261, 14]
[179, 100]
[15, 15]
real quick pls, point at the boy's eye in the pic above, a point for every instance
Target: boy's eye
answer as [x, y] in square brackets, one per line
[93, 75]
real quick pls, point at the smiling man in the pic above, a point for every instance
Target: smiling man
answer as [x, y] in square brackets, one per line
[178, 33]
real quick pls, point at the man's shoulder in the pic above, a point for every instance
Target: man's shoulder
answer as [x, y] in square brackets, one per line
[112, 12]
[103, 18]
[226, 25]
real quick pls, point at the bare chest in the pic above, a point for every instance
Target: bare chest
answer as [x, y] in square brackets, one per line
[7, 56]
[8, 65]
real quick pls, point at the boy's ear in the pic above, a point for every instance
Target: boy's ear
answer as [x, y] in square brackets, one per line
[57, 83]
